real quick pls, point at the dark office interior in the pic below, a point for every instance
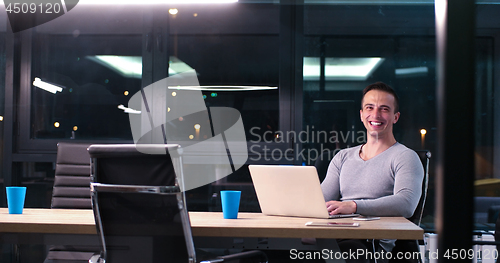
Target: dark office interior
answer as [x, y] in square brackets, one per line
[295, 50]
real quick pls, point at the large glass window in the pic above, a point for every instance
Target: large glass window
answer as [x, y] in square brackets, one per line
[93, 61]
[85, 68]
[237, 61]
[348, 47]
[358, 45]
[240, 72]
[79, 72]
[93, 80]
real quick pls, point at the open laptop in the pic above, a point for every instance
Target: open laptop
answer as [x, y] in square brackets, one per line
[290, 191]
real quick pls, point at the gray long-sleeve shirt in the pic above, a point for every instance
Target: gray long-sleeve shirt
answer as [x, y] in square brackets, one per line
[389, 184]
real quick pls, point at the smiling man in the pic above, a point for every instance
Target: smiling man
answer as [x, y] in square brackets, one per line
[381, 177]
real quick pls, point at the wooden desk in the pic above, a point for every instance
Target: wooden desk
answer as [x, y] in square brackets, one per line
[259, 225]
[210, 224]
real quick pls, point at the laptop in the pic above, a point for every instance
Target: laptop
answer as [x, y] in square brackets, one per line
[290, 191]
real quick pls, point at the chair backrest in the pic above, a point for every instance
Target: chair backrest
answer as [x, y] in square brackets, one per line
[425, 157]
[322, 163]
[72, 177]
[136, 197]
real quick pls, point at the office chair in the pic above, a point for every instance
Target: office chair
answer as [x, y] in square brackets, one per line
[139, 206]
[72, 177]
[416, 218]
[71, 190]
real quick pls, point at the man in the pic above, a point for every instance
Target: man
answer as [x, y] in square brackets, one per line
[381, 177]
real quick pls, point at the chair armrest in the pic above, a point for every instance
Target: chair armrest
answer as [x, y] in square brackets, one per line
[96, 258]
[116, 188]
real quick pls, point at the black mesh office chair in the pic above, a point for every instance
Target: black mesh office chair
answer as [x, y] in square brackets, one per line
[322, 163]
[71, 191]
[416, 218]
[139, 207]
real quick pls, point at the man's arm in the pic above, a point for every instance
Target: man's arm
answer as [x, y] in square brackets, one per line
[331, 184]
[408, 178]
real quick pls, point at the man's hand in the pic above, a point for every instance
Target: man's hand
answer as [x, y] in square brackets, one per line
[337, 207]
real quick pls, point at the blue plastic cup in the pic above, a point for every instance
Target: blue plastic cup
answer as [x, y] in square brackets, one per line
[15, 199]
[230, 203]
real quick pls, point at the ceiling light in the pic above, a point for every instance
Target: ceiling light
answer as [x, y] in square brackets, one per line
[152, 2]
[47, 86]
[411, 71]
[127, 66]
[176, 66]
[341, 68]
[131, 66]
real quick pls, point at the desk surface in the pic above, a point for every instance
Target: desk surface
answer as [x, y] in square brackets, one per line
[211, 224]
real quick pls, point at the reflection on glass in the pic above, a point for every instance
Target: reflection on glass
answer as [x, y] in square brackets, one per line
[236, 71]
[407, 72]
[222, 88]
[154, 2]
[127, 66]
[46, 86]
[131, 66]
[92, 91]
[341, 68]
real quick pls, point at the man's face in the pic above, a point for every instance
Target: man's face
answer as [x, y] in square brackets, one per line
[377, 113]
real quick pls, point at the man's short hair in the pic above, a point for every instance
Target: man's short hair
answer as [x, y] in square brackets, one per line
[382, 87]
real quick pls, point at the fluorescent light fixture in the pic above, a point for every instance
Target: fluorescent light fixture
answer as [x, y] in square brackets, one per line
[176, 66]
[411, 71]
[152, 2]
[131, 66]
[128, 110]
[127, 66]
[47, 86]
[222, 88]
[341, 68]
[334, 101]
